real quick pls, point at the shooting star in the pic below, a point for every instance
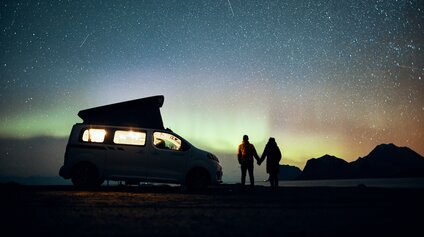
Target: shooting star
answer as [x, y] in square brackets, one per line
[409, 67]
[231, 8]
[83, 42]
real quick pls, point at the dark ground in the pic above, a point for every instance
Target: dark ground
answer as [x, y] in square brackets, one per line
[220, 211]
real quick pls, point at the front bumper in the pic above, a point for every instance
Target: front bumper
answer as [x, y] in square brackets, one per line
[219, 176]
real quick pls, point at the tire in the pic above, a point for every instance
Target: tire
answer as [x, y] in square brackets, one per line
[198, 179]
[86, 175]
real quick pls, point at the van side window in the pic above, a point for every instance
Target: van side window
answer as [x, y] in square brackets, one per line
[129, 137]
[166, 141]
[94, 135]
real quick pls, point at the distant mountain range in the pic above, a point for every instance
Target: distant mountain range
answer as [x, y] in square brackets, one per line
[384, 161]
[288, 172]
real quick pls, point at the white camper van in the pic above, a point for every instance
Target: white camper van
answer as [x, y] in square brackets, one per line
[104, 147]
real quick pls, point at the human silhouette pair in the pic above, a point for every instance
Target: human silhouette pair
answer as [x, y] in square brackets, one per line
[247, 152]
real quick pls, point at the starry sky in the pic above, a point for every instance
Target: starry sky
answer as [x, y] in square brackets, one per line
[336, 77]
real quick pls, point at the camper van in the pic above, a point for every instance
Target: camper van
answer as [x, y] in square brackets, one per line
[127, 142]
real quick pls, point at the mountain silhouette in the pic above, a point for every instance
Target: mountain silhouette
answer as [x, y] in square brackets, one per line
[384, 161]
[327, 167]
[389, 160]
[288, 172]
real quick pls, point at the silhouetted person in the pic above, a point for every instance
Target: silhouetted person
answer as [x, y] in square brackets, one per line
[245, 155]
[272, 154]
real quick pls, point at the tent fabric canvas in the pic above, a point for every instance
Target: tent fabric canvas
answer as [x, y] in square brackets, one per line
[144, 112]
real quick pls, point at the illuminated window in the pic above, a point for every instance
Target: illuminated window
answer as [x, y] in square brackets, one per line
[166, 141]
[129, 137]
[94, 135]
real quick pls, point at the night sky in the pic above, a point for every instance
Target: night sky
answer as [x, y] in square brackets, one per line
[336, 77]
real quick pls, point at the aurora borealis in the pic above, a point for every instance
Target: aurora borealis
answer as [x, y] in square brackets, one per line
[336, 77]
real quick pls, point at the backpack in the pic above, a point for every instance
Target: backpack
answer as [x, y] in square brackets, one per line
[246, 151]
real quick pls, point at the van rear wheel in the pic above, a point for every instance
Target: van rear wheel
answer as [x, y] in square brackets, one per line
[198, 179]
[85, 175]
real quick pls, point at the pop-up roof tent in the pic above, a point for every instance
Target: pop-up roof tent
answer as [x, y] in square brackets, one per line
[144, 112]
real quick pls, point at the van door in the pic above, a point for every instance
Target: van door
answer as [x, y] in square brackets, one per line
[126, 156]
[167, 159]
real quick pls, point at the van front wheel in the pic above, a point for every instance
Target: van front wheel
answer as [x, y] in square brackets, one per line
[85, 175]
[198, 179]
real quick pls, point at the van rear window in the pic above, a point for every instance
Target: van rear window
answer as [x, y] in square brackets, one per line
[129, 137]
[94, 135]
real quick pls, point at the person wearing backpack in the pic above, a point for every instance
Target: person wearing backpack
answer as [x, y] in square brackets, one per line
[246, 153]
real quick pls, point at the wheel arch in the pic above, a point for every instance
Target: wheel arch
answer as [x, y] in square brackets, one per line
[87, 179]
[85, 163]
[195, 170]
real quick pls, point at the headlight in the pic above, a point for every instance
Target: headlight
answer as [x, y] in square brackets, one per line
[213, 157]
